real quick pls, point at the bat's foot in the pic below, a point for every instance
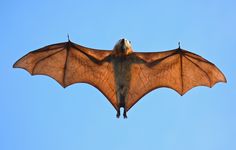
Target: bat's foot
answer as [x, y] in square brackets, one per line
[118, 114]
[124, 115]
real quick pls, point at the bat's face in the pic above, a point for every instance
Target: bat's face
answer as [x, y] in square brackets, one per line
[123, 47]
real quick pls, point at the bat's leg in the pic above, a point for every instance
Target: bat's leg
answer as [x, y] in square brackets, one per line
[124, 114]
[118, 113]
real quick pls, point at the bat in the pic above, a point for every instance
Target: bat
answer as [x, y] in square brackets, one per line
[122, 75]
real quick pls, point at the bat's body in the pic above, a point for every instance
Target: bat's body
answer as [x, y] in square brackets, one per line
[122, 75]
[121, 59]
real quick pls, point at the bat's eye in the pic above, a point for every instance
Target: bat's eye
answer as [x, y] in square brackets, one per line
[129, 42]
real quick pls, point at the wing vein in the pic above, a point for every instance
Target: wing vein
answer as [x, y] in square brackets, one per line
[87, 55]
[141, 70]
[181, 73]
[65, 65]
[155, 62]
[200, 69]
[47, 48]
[202, 60]
[45, 58]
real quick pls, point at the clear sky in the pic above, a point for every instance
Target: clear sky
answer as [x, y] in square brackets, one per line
[36, 113]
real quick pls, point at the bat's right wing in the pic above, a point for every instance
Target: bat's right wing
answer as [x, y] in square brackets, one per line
[70, 63]
[177, 69]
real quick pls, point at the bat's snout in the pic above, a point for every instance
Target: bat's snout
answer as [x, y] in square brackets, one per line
[123, 46]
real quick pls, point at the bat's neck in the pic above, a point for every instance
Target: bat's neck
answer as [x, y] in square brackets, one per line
[122, 52]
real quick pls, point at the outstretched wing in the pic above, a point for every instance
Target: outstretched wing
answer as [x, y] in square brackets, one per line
[70, 63]
[177, 69]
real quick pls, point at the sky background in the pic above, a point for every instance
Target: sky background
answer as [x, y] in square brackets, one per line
[36, 113]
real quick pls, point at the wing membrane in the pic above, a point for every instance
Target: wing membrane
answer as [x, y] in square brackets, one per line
[177, 69]
[69, 63]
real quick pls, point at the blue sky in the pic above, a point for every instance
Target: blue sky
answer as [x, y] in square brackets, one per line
[36, 113]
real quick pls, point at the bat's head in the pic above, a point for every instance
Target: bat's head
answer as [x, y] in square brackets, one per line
[123, 47]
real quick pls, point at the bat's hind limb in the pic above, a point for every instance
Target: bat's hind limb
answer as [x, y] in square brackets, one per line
[121, 104]
[118, 113]
[124, 114]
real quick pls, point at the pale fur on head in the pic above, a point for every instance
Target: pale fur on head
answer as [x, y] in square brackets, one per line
[127, 43]
[123, 44]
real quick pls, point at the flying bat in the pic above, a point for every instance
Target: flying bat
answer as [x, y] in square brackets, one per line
[122, 75]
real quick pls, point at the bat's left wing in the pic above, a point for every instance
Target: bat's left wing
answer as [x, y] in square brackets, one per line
[177, 69]
[70, 63]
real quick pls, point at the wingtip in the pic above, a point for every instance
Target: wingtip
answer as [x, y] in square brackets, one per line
[15, 65]
[225, 80]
